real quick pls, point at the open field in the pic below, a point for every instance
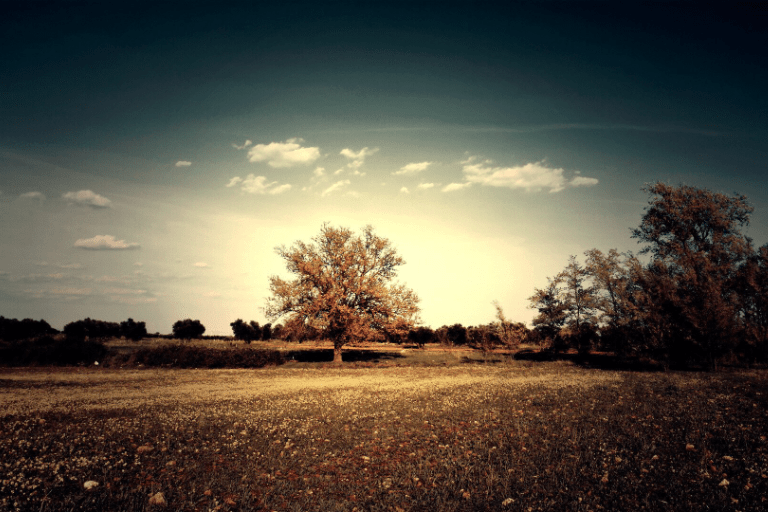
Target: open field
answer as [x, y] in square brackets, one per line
[506, 436]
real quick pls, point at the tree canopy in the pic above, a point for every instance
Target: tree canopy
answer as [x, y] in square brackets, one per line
[188, 329]
[343, 287]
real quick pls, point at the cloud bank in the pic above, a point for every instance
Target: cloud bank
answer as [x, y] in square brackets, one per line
[530, 177]
[183, 163]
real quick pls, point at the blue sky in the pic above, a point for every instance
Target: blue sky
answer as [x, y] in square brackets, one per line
[152, 155]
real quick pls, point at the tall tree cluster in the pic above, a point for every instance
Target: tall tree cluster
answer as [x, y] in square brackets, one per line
[700, 294]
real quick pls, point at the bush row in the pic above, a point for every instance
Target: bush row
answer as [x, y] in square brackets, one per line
[183, 356]
[48, 351]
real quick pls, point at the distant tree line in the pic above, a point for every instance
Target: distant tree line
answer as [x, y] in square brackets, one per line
[13, 330]
[90, 329]
[700, 298]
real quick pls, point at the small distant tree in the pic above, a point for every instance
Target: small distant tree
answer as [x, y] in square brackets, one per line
[552, 313]
[90, 329]
[484, 337]
[242, 330]
[188, 329]
[266, 332]
[134, 331]
[421, 336]
[510, 334]
[256, 330]
[441, 336]
[577, 295]
[457, 334]
[277, 331]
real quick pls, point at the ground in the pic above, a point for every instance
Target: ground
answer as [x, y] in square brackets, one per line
[460, 435]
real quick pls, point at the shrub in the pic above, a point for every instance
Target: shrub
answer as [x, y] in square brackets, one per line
[183, 356]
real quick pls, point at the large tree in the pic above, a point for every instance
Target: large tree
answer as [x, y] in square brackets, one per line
[695, 239]
[342, 286]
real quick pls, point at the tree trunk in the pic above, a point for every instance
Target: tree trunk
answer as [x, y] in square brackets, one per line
[337, 353]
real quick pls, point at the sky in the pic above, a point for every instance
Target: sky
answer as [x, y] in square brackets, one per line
[154, 155]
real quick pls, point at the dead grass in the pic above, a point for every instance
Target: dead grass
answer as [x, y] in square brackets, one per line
[509, 436]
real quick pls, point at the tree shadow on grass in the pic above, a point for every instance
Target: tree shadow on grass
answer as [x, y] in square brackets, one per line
[348, 356]
[596, 361]
[489, 360]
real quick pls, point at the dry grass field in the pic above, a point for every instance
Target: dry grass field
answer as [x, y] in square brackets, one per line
[309, 436]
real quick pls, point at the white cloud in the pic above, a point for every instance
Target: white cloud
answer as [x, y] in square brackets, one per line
[183, 163]
[319, 172]
[425, 186]
[258, 185]
[33, 195]
[451, 187]
[105, 242]
[413, 168]
[279, 189]
[581, 181]
[201, 264]
[404, 190]
[248, 142]
[530, 177]
[356, 159]
[234, 181]
[283, 154]
[87, 198]
[336, 186]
